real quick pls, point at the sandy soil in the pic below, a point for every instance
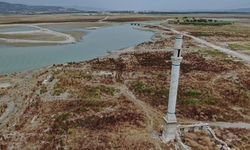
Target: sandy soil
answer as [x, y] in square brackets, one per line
[4, 83]
[34, 35]
[7, 27]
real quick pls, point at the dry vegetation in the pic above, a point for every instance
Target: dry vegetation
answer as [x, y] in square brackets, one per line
[19, 19]
[202, 139]
[87, 105]
[114, 103]
[36, 36]
[130, 18]
[2, 107]
[235, 37]
[148, 75]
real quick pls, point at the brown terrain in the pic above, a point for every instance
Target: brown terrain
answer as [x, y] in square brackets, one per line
[119, 102]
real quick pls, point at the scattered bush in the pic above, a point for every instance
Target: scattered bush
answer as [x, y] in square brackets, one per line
[138, 86]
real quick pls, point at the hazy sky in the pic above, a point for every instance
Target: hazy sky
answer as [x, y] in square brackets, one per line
[143, 4]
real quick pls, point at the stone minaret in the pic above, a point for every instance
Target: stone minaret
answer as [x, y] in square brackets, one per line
[170, 122]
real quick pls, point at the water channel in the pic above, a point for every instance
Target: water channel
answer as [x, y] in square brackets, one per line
[96, 43]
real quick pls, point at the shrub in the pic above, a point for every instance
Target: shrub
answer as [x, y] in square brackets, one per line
[208, 101]
[51, 79]
[243, 138]
[193, 92]
[149, 90]
[87, 76]
[96, 109]
[43, 89]
[138, 86]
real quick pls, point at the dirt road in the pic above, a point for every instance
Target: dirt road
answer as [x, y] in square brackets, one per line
[104, 19]
[244, 57]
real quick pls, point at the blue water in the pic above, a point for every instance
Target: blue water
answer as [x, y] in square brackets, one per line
[18, 29]
[94, 44]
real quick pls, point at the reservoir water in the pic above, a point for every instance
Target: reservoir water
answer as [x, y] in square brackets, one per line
[96, 43]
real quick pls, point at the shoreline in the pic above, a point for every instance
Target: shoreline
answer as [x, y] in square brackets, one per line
[26, 38]
[111, 54]
[68, 38]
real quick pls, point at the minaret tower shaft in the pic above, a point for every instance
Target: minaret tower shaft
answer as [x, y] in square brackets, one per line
[170, 121]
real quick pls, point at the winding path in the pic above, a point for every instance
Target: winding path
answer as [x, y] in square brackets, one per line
[104, 19]
[230, 125]
[244, 57]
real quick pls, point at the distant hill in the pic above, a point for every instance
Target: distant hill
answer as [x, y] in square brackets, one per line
[7, 8]
[85, 8]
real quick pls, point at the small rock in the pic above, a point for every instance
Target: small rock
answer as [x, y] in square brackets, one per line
[232, 136]
[217, 132]
[227, 142]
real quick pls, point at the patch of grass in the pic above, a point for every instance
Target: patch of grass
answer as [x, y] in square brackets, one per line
[228, 60]
[210, 102]
[200, 22]
[62, 124]
[109, 90]
[161, 93]
[138, 86]
[193, 101]
[189, 101]
[57, 92]
[61, 142]
[216, 53]
[149, 90]
[87, 76]
[70, 131]
[160, 75]
[193, 92]
[43, 89]
[236, 46]
[243, 138]
[51, 79]
[50, 138]
[97, 109]
[84, 109]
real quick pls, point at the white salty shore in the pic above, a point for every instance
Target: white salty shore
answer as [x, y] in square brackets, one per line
[68, 38]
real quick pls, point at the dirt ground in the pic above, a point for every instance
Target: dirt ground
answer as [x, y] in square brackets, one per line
[33, 36]
[234, 37]
[119, 102]
[23, 19]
